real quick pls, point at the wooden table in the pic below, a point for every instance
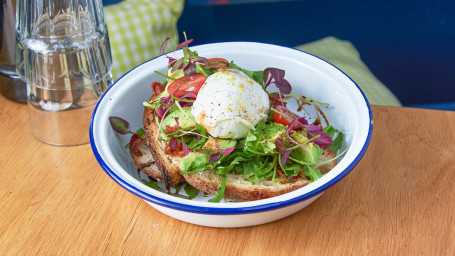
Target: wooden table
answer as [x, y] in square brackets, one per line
[399, 200]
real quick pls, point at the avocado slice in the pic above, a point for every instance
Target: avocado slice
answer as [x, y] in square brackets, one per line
[186, 120]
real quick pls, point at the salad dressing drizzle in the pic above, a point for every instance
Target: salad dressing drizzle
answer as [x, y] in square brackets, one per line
[304, 101]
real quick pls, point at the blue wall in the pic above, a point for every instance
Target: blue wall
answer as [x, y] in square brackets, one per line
[409, 45]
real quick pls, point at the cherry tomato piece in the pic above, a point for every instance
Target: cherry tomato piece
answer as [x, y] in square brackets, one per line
[218, 63]
[186, 84]
[285, 119]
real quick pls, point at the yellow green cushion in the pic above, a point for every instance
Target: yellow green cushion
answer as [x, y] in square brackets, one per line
[137, 28]
[344, 56]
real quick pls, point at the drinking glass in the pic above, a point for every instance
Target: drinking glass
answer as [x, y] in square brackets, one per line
[63, 55]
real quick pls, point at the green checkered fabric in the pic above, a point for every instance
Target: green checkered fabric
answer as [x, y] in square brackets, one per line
[344, 56]
[137, 28]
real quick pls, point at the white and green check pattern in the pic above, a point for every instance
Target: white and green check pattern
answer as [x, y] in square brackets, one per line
[344, 56]
[137, 28]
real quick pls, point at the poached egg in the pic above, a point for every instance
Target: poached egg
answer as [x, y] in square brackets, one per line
[230, 104]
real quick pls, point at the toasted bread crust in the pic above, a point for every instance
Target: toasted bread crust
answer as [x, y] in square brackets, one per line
[140, 152]
[143, 159]
[167, 164]
[238, 188]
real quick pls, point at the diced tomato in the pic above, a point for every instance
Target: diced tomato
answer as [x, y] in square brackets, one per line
[157, 87]
[186, 84]
[218, 63]
[171, 129]
[285, 119]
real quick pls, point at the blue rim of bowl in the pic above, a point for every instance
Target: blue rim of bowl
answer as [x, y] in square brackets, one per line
[238, 210]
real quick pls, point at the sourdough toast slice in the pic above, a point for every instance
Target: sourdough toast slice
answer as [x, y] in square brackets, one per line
[239, 188]
[143, 159]
[167, 162]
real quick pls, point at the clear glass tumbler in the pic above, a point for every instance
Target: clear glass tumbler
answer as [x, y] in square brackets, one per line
[64, 56]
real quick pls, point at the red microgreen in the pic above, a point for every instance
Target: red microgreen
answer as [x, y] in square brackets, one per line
[202, 60]
[280, 147]
[276, 76]
[184, 44]
[185, 148]
[290, 126]
[224, 151]
[228, 150]
[312, 127]
[160, 111]
[163, 45]
[120, 125]
[174, 143]
[133, 140]
[214, 157]
[321, 138]
[179, 64]
[189, 69]
[285, 156]
[302, 120]
[189, 96]
[281, 98]
[172, 61]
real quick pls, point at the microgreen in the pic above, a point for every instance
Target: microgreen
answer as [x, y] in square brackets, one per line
[185, 148]
[214, 157]
[190, 63]
[133, 139]
[120, 125]
[220, 192]
[190, 191]
[174, 143]
[276, 76]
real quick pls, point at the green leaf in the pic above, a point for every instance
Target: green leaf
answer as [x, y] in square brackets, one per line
[152, 184]
[263, 139]
[140, 132]
[190, 191]
[337, 138]
[220, 192]
[312, 172]
[255, 75]
[178, 187]
[291, 169]
[193, 143]
[257, 169]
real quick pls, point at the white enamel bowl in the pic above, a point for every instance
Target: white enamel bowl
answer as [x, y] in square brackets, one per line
[349, 111]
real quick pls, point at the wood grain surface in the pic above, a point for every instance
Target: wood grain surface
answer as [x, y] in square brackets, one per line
[399, 200]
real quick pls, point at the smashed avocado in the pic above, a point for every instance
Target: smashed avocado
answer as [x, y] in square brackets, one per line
[184, 118]
[311, 154]
[193, 160]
